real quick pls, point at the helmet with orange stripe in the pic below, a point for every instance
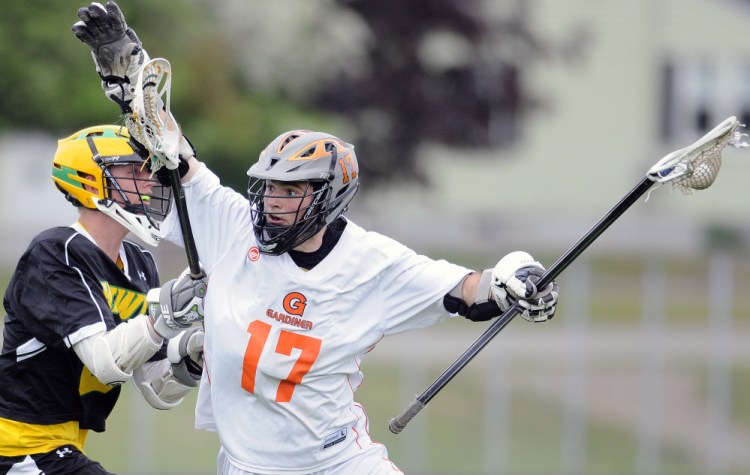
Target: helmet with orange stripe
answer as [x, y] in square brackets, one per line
[302, 181]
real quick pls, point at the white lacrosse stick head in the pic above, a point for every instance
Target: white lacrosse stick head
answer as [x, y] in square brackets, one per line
[695, 167]
[151, 122]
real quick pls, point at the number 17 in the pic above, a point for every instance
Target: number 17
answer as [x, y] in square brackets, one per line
[259, 332]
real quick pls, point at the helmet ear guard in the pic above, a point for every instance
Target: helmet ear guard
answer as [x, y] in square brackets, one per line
[82, 171]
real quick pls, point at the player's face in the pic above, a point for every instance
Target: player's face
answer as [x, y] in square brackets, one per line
[134, 181]
[285, 202]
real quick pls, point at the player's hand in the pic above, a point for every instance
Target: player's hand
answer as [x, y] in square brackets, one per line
[116, 48]
[177, 305]
[514, 281]
[117, 51]
[185, 352]
[161, 169]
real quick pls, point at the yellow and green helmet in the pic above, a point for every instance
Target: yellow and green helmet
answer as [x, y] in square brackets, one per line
[81, 170]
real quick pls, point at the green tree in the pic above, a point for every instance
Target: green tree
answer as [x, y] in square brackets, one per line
[438, 71]
[48, 81]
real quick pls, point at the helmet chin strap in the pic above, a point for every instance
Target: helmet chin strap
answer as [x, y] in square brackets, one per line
[137, 224]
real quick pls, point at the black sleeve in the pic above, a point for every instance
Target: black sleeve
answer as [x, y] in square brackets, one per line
[54, 297]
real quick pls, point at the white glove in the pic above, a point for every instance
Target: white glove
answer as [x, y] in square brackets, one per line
[514, 281]
[117, 51]
[185, 352]
[177, 305]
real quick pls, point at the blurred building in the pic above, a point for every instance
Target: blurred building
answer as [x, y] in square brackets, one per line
[655, 75]
[30, 202]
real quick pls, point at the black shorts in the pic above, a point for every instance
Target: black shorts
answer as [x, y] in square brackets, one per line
[65, 460]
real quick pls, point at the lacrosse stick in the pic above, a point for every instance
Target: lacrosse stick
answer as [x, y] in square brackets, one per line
[691, 168]
[153, 125]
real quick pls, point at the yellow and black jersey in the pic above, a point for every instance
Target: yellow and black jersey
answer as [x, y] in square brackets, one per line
[64, 289]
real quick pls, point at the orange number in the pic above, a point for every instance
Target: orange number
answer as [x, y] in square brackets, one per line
[258, 335]
[310, 348]
[259, 331]
[343, 165]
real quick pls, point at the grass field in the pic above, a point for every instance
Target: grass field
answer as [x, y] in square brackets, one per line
[446, 438]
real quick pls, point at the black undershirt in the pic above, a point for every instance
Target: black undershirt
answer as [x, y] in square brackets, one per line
[308, 260]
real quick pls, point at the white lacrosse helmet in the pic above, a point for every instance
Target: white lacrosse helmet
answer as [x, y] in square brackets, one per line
[326, 162]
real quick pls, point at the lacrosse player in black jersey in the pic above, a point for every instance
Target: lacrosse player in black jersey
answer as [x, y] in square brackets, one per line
[85, 312]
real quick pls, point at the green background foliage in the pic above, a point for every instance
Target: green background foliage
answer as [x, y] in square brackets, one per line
[49, 83]
[398, 96]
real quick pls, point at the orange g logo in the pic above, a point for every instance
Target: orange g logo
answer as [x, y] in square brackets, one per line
[295, 303]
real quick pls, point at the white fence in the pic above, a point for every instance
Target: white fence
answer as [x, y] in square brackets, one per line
[668, 387]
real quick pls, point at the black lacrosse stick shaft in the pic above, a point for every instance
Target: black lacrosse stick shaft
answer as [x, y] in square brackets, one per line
[398, 423]
[187, 231]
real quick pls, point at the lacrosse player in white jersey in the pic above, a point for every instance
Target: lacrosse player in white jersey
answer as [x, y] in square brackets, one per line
[299, 293]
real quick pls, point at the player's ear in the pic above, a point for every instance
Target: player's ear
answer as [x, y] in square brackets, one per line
[89, 188]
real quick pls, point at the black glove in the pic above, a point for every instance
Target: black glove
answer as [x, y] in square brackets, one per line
[116, 48]
[186, 150]
[139, 148]
[117, 51]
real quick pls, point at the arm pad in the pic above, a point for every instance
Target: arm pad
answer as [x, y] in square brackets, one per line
[111, 356]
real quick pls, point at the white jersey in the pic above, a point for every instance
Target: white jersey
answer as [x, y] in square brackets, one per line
[283, 346]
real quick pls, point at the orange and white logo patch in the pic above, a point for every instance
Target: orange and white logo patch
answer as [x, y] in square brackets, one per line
[294, 306]
[295, 303]
[253, 254]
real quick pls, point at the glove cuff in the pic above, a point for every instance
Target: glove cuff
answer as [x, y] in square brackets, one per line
[161, 327]
[160, 314]
[182, 374]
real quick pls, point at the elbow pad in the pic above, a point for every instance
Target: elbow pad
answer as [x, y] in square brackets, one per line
[104, 366]
[112, 356]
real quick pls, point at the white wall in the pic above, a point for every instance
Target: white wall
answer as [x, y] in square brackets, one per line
[29, 201]
[595, 143]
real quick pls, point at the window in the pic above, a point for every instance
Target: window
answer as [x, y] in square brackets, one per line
[698, 93]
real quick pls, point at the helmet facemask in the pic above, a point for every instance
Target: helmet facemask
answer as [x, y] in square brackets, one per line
[305, 219]
[138, 203]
